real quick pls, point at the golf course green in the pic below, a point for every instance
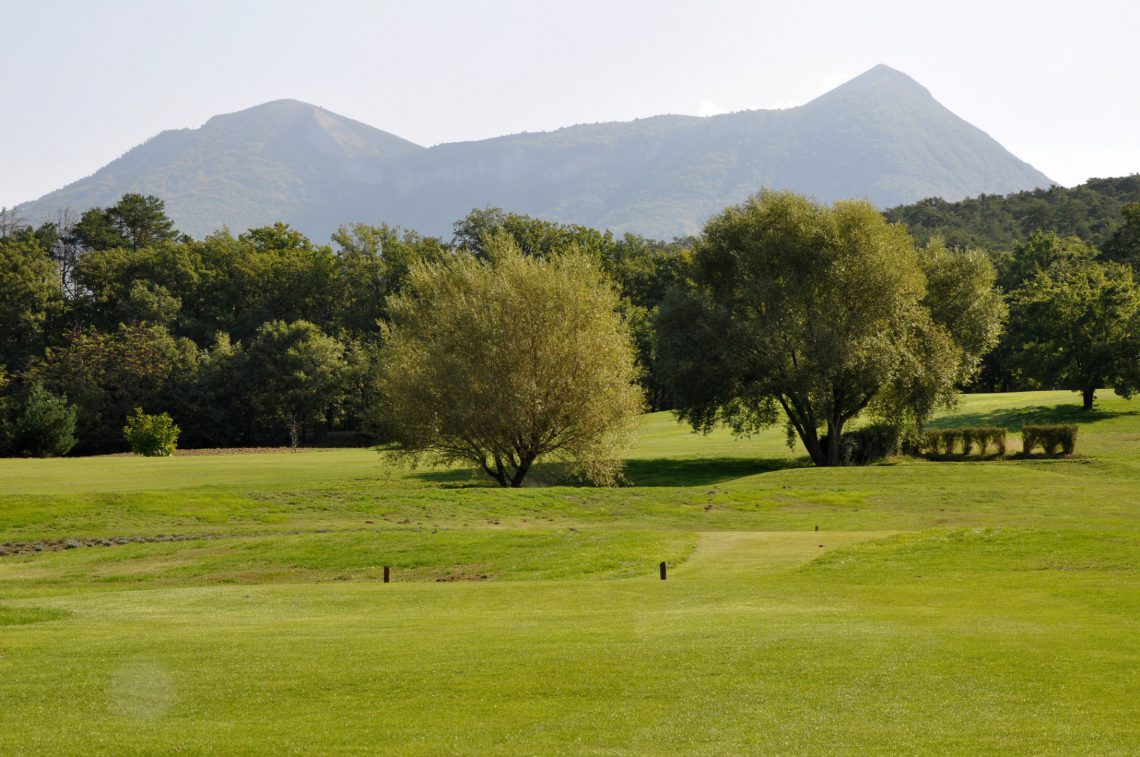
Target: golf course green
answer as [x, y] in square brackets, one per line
[234, 603]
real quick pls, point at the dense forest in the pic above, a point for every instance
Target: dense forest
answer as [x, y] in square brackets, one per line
[267, 336]
[1091, 211]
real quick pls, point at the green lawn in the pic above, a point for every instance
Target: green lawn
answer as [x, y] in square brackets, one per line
[945, 607]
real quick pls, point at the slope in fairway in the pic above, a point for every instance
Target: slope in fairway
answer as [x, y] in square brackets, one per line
[941, 607]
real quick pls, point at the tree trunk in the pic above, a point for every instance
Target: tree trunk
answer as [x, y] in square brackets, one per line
[500, 472]
[1087, 398]
[814, 449]
[294, 432]
[834, 434]
[520, 473]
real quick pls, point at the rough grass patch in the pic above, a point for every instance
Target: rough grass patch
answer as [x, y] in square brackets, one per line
[19, 616]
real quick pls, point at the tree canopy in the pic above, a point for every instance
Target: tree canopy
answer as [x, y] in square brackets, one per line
[821, 313]
[504, 359]
[1076, 325]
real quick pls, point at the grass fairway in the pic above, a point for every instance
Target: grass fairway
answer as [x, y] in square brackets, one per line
[950, 607]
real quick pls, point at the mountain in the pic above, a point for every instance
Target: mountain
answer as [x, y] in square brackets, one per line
[881, 136]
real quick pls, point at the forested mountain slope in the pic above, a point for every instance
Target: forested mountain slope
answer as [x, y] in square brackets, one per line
[1091, 211]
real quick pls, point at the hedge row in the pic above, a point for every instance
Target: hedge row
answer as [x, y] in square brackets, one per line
[1051, 439]
[963, 441]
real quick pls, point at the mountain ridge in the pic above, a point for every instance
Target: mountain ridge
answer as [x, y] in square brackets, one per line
[881, 135]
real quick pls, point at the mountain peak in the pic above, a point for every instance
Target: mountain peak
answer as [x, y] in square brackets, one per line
[272, 111]
[292, 123]
[880, 80]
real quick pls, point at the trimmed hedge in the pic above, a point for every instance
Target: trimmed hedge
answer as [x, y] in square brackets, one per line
[944, 442]
[1051, 439]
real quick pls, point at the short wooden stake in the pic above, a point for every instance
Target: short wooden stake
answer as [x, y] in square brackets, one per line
[662, 566]
[817, 528]
[387, 574]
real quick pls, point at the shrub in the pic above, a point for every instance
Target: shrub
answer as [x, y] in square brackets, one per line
[940, 441]
[151, 435]
[997, 438]
[869, 444]
[47, 427]
[983, 437]
[1051, 439]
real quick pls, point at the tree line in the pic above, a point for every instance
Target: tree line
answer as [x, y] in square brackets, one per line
[1093, 212]
[781, 308]
[252, 338]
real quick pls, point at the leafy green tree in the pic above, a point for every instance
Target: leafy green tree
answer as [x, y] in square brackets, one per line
[134, 222]
[1027, 258]
[296, 373]
[151, 303]
[107, 374]
[478, 231]
[821, 313]
[1124, 245]
[1076, 325]
[29, 298]
[962, 297]
[7, 409]
[507, 359]
[47, 427]
[217, 407]
[372, 263]
[1036, 253]
[222, 283]
[284, 276]
[642, 269]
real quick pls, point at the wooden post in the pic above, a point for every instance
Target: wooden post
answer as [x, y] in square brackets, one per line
[662, 566]
[817, 528]
[387, 574]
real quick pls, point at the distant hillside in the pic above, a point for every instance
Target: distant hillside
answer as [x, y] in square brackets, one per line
[1091, 211]
[881, 136]
[278, 161]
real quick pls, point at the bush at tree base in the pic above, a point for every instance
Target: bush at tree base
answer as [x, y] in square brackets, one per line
[869, 444]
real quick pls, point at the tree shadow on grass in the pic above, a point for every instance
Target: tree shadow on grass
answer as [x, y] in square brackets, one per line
[455, 478]
[702, 471]
[1014, 418]
[665, 471]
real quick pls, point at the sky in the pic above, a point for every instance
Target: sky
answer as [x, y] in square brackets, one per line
[1057, 83]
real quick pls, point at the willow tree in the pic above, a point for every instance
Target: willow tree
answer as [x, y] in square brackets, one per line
[502, 361]
[815, 314]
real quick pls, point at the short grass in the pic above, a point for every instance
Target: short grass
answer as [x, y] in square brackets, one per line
[941, 607]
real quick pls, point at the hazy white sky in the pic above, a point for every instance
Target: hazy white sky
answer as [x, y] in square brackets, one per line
[1057, 83]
